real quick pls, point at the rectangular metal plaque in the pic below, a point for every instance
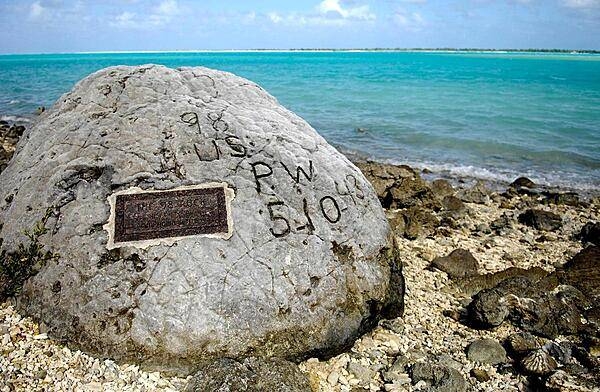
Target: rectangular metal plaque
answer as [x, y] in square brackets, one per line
[166, 214]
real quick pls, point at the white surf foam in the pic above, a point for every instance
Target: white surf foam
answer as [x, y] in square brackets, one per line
[15, 119]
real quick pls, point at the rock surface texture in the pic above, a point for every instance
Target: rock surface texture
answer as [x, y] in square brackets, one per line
[249, 375]
[309, 265]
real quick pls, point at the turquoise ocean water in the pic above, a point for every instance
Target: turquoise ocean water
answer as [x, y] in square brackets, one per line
[488, 115]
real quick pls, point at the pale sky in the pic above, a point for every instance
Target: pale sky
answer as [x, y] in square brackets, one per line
[111, 25]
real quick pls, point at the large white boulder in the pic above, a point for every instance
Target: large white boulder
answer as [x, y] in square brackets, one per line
[289, 256]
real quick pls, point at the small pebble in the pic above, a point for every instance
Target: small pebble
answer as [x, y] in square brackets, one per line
[480, 375]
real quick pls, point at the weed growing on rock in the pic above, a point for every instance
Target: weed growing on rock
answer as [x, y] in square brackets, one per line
[18, 266]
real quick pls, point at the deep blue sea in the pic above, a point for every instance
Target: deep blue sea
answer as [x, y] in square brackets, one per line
[489, 115]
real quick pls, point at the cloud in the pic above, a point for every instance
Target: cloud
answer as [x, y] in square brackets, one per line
[275, 17]
[581, 4]
[327, 13]
[164, 12]
[125, 19]
[296, 19]
[330, 6]
[37, 10]
[167, 7]
[249, 17]
[410, 21]
[160, 15]
[334, 9]
[48, 12]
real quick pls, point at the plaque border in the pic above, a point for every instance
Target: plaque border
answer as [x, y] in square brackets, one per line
[110, 225]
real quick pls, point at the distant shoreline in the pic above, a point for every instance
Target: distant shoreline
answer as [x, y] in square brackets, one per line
[326, 50]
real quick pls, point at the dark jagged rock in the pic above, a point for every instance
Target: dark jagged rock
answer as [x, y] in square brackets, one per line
[521, 186]
[14, 131]
[522, 182]
[412, 191]
[487, 310]
[419, 223]
[452, 203]
[566, 198]
[550, 314]
[502, 224]
[383, 178]
[529, 306]
[591, 361]
[398, 186]
[438, 377]
[583, 272]
[414, 223]
[248, 375]
[592, 345]
[449, 222]
[459, 263]
[593, 315]
[478, 193]
[590, 232]
[521, 343]
[561, 351]
[541, 220]
[453, 207]
[442, 188]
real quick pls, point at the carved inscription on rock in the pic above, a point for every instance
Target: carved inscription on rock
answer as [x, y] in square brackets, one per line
[141, 218]
[218, 141]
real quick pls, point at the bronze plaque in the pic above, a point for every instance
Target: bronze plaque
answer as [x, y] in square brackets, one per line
[166, 214]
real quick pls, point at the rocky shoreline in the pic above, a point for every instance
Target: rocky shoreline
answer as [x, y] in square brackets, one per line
[502, 294]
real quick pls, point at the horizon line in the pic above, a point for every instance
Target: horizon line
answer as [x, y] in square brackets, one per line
[291, 50]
